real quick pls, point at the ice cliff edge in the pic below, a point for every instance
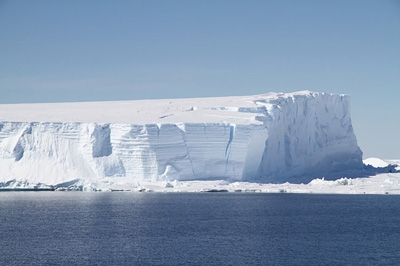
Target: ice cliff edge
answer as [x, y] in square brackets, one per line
[273, 137]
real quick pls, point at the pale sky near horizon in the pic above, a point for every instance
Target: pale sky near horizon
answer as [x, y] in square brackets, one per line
[53, 51]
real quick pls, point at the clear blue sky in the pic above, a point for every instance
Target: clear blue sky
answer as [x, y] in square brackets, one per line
[52, 51]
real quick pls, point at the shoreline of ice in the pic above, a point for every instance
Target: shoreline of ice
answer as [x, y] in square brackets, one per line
[382, 183]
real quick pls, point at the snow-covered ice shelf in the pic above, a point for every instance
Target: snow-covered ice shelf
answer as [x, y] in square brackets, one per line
[269, 138]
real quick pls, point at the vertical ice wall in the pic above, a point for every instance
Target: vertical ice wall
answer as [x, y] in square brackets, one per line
[56, 152]
[188, 151]
[287, 137]
[310, 136]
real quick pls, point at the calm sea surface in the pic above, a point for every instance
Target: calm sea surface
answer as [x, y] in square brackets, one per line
[77, 228]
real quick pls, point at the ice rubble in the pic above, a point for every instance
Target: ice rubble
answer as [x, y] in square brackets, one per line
[269, 138]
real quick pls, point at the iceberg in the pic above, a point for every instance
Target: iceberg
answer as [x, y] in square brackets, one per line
[268, 138]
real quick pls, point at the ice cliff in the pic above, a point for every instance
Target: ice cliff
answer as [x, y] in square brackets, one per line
[273, 137]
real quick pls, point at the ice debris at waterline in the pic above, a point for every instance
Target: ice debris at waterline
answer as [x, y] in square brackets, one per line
[269, 138]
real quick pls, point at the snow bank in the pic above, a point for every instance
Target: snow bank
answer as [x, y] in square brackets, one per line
[266, 138]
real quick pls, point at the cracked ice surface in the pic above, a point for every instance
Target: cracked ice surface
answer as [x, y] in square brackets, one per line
[272, 137]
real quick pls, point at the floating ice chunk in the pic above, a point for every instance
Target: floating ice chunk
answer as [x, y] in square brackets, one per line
[375, 162]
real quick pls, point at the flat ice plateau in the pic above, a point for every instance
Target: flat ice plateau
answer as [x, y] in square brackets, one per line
[275, 142]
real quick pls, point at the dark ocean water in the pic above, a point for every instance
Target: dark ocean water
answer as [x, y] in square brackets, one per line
[76, 228]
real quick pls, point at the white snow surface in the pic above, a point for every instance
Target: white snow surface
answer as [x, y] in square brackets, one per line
[178, 144]
[375, 162]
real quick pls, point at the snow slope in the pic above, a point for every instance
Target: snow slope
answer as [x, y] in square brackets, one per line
[267, 138]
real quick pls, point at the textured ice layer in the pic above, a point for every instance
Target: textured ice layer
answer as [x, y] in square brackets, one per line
[274, 137]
